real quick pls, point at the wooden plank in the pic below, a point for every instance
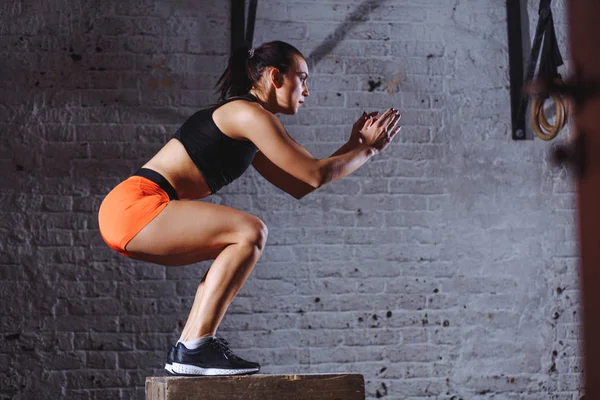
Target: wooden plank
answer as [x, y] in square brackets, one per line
[258, 387]
[155, 389]
[584, 30]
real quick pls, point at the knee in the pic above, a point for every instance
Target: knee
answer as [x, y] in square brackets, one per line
[255, 233]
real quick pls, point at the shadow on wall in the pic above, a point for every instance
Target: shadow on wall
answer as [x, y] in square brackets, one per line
[342, 30]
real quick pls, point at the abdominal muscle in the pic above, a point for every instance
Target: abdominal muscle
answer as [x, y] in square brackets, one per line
[173, 162]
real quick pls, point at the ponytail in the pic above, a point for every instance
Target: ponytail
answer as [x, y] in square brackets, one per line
[246, 65]
[235, 81]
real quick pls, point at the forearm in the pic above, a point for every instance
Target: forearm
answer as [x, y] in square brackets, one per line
[347, 147]
[344, 161]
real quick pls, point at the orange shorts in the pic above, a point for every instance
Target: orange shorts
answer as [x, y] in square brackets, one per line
[131, 205]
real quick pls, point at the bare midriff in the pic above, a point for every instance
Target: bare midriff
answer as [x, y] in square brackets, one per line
[173, 162]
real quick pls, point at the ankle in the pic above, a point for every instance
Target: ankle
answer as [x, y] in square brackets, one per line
[195, 343]
[190, 337]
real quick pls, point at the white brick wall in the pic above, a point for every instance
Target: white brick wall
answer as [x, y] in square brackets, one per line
[444, 268]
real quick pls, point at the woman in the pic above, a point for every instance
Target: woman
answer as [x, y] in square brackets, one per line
[150, 215]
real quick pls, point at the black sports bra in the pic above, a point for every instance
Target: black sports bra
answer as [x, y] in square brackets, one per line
[218, 157]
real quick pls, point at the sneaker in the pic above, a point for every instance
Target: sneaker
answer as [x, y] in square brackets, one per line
[170, 357]
[212, 358]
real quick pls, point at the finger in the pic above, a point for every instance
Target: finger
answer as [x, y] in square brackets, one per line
[387, 122]
[385, 114]
[390, 112]
[361, 121]
[395, 131]
[388, 117]
[395, 120]
[392, 121]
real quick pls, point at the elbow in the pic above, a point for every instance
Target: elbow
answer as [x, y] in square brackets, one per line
[317, 183]
[301, 191]
[313, 182]
[320, 178]
[300, 196]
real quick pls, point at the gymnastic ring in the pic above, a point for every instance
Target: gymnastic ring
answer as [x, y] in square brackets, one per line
[541, 116]
[539, 121]
[538, 118]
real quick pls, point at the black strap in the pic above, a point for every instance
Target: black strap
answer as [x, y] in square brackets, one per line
[545, 14]
[251, 21]
[247, 96]
[242, 31]
[237, 24]
[551, 57]
[159, 180]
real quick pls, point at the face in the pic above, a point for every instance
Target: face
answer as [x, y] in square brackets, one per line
[294, 89]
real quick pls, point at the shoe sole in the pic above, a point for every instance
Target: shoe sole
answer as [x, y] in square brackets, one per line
[185, 369]
[169, 368]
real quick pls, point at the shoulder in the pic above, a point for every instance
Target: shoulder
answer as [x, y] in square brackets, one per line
[244, 113]
[243, 119]
[241, 107]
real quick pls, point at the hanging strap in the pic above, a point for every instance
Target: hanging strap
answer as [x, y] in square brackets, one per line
[242, 31]
[551, 58]
[250, 23]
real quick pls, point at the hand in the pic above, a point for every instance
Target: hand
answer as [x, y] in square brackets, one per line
[378, 132]
[355, 136]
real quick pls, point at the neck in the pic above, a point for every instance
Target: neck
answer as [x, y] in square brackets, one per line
[267, 100]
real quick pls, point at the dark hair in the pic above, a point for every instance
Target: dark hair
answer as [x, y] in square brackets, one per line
[245, 67]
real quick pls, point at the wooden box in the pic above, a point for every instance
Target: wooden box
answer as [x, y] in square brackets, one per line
[257, 387]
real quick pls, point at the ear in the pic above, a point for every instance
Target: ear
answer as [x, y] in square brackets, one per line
[276, 77]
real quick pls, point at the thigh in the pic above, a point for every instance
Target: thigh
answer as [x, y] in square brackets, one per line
[189, 231]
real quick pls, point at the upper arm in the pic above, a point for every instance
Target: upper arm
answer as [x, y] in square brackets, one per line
[268, 134]
[279, 178]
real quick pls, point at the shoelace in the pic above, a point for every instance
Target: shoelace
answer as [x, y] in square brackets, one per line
[222, 345]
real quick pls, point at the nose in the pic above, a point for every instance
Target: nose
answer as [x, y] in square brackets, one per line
[305, 93]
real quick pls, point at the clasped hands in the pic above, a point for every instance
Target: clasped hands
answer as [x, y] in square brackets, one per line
[374, 131]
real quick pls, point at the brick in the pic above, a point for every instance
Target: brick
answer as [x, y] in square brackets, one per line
[256, 322]
[101, 98]
[58, 237]
[326, 100]
[406, 370]
[287, 31]
[396, 66]
[95, 306]
[106, 80]
[141, 8]
[327, 12]
[192, 8]
[347, 47]
[104, 341]
[416, 353]
[399, 12]
[97, 379]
